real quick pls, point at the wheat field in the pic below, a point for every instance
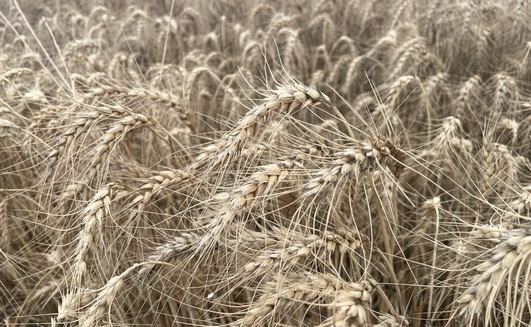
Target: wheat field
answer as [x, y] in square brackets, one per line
[265, 163]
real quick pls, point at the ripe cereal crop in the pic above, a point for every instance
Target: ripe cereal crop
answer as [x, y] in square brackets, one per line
[279, 163]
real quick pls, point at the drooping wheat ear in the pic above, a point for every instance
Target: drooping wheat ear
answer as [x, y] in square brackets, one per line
[158, 74]
[252, 53]
[157, 184]
[112, 137]
[34, 98]
[519, 212]
[105, 298]
[172, 249]
[430, 13]
[92, 218]
[393, 98]
[354, 74]
[485, 48]
[323, 6]
[260, 16]
[230, 204]
[68, 193]
[38, 122]
[435, 96]
[5, 238]
[389, 320]
[76, 51]
[260, 184]
[352, 162]
[278, 22]
[317, 79]
[126, 166]
[182, 246]
[298, 247]
[322, 29]
[437, 86]
[336, 74]
[500, 169]
[136, 18]
[12, 74]
[349, 301]
[88, 119]
[31, 60]
[468, 93]
[486, 236]
[344, 46]
[413, 52]
[471, 8]
[351, 306]
[68, 310]
[506, 131]
[97, 15]
[383, 49]
[321, 60]
[506, 93]
[449, 130]
[192, 21]
[168, 99]
[287, 100]
[500, 290]
[398, 13]
[211, 43]
[465, 106]
[490, 166]
[194, 77]
[292, 59]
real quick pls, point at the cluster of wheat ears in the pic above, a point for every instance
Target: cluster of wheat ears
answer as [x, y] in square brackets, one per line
[278, 163]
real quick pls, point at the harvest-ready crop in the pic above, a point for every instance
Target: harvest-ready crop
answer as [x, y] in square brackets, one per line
[265, 163]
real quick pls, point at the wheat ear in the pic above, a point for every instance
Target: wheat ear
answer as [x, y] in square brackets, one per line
[105, 298]
[349, 300]
[509, 267]
[112, 137]
[287, 99]
[353, 161]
